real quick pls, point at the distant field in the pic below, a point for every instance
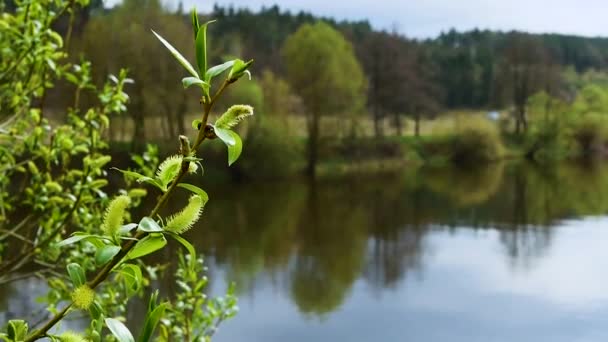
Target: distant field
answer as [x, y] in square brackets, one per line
[330, 126]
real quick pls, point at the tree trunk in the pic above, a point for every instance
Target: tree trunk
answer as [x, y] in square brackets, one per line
[180, 116]
[139, 132]
[521, 124]
[169, 127]
[137, 112]
[377, 124]
[313, 145]
[398, 124]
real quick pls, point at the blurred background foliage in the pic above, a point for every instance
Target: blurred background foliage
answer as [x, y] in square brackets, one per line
[377, 96]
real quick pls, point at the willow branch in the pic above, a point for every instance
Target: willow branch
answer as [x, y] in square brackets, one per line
[129, 244]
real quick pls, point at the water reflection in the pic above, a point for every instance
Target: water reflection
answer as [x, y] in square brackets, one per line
[321, 238]
[320, 249]
[465, 187]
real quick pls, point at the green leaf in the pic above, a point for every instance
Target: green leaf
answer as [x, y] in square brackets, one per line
[234, 151]
[143, 179]
[73, 239]
[137, 176]
[195, 124]
[17, 330]
[147, 245]
[183, 61]
[218, 69]
[201, 47]
[195, 189]
[127, 228]
[96, 240]
[119, 330]
[105, 254]
[189, 81]
[233, 142]
[76, 274]
[132, 276]
[188, 246]
[192, 158]
[148, 224]
[225, 136]
[195, 24]
[153, 315]
[95, 310]
[238, 69]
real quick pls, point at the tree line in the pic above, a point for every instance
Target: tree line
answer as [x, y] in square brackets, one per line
[453, 70]
[385, 75]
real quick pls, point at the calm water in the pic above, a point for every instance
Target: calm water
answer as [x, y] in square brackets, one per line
[507, 253]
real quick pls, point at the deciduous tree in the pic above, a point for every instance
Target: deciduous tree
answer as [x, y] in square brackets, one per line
[323, 70]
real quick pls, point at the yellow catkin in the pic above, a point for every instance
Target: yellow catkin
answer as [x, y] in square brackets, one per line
[83, 296]
[115, 214]
[186, 218]
[170, 167]
[233, 116]
[70, 336]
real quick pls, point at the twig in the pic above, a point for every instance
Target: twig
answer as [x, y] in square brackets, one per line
[17, 227]
[129, 244]
[15, 235]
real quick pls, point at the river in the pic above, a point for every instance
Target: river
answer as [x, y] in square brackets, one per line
[511, 252]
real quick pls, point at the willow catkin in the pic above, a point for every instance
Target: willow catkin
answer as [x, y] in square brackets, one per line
[170, 167]
[115, 214]
[233, 116]
[70, 336]
[185, 219]
[83, 296]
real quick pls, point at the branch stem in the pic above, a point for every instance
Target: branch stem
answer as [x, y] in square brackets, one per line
[129, 244]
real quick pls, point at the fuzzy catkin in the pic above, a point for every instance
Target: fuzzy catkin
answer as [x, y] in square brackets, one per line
[70, 336]
[170, 167]
[83, 296]
[185, 219]
[233, 116]
[115, 214]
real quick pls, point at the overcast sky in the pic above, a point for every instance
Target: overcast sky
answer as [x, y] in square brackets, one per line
[427, 18]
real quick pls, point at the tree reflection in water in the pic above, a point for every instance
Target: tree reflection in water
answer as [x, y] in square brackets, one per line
[313, 241]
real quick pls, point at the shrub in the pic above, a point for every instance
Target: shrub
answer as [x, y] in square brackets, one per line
[475, 139]
[271, 151]
[435, 149]
[465, 186]
[580, 135]
[590, 133]
[547, 140]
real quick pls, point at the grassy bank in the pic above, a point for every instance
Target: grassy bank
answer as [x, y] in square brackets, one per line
[275, 149]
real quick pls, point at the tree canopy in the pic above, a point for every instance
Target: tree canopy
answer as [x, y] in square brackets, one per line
[322, 68]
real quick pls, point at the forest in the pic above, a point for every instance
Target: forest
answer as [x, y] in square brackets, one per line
[390, 87]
